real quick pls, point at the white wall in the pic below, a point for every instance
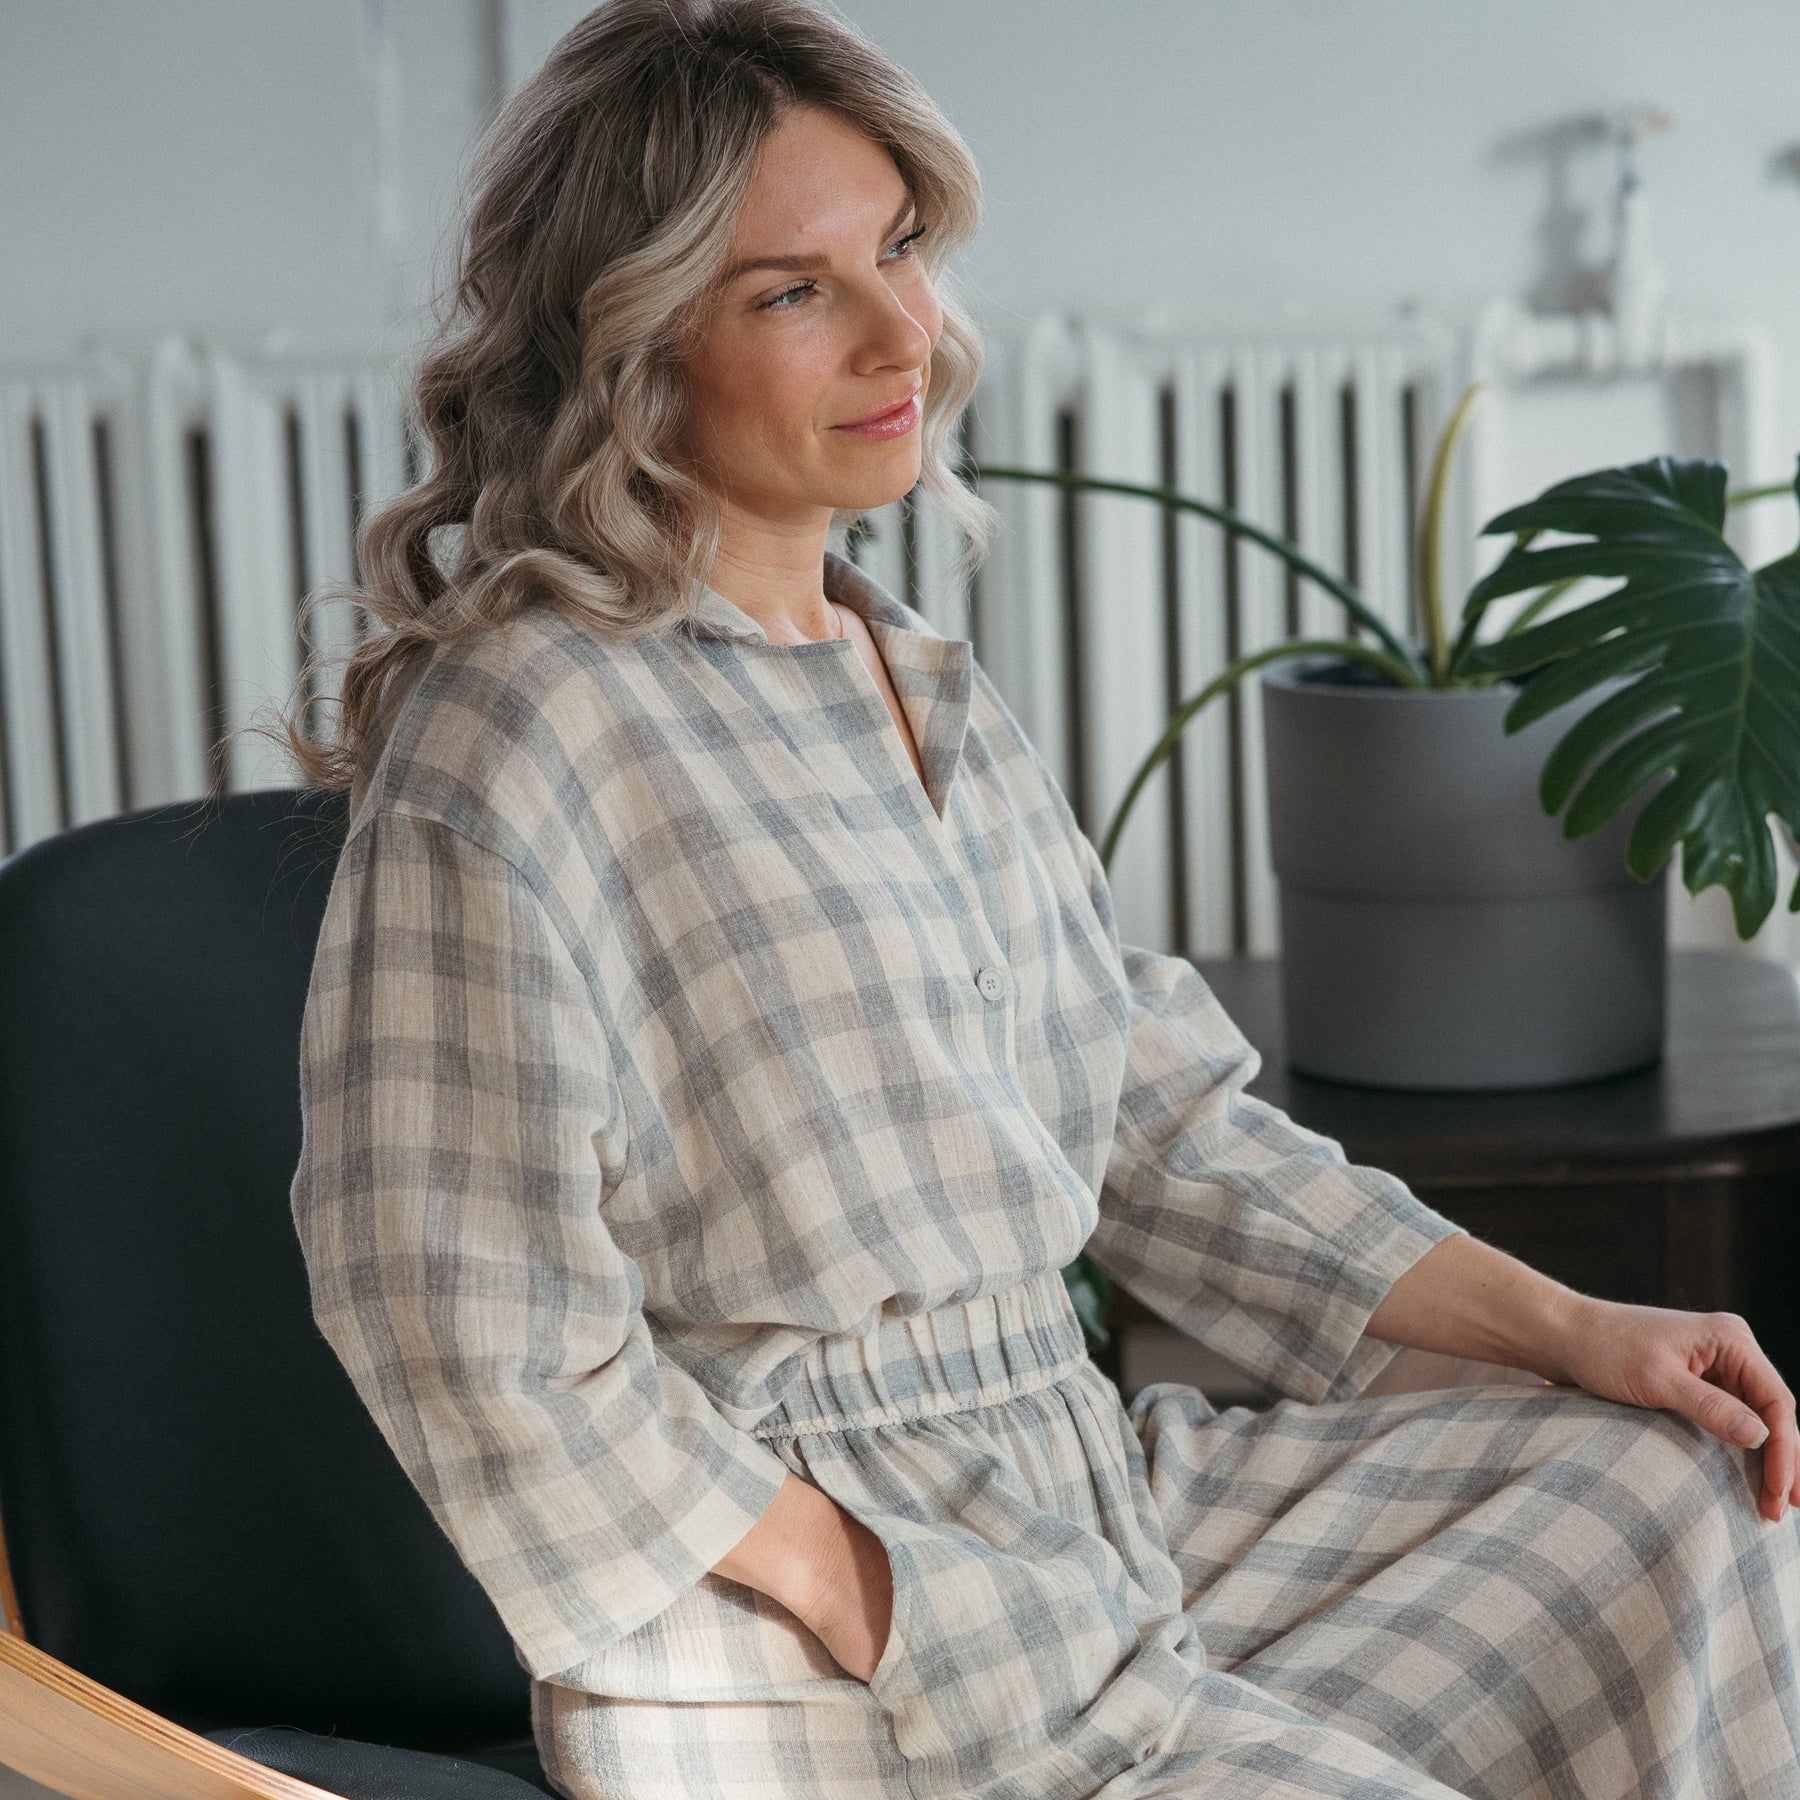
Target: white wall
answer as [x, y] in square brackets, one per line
[1251, 154]
[256, 167]
[237, 167]
[260, 165]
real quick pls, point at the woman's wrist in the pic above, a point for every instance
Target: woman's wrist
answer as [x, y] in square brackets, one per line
[1468, 1299]
[786, 1553]
[1568, 1315]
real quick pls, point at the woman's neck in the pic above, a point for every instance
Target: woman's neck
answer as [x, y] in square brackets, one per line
[780, 582]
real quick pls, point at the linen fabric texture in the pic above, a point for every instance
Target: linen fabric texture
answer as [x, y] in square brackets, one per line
[1495, 1591]
[692, 1096]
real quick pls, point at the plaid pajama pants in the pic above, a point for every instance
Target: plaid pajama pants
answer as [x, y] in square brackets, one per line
[1488, 1591]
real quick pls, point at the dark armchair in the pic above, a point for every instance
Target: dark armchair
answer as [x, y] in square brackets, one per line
[221, 1582]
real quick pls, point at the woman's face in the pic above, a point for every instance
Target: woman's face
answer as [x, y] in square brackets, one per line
[836, 322]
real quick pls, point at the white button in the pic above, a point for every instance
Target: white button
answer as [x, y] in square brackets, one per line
[991, 984]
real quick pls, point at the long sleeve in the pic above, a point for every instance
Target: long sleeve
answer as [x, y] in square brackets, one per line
[462, 1126]
[1243, 1229]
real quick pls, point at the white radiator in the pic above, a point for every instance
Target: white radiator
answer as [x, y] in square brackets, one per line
[163, 513]
[161, 517]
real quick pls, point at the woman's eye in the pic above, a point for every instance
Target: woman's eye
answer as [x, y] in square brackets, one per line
[802, 287]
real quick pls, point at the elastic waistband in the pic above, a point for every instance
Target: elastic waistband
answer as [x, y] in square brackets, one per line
[967, 1354]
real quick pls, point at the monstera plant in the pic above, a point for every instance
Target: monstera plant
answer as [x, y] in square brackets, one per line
[1709, 649]
[1714, 647]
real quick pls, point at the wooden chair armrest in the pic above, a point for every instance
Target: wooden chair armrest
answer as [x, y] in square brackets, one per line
[78, 1738]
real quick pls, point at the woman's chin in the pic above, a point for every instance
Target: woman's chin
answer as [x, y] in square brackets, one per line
[882, 482]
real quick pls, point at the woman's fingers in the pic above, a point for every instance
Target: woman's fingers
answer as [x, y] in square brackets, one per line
[1781, 1455]
[1718, 1411]
[1763, 1387]
[1741, 1398]
[1758, 1381]
[1706, 1366]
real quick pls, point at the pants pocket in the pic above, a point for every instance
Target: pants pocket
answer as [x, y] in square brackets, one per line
[1008, 1625]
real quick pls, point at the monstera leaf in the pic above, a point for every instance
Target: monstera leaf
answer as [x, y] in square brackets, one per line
[1714, 646]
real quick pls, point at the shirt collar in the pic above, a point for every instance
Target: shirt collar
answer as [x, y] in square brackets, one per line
[931, 674]
[714, 616]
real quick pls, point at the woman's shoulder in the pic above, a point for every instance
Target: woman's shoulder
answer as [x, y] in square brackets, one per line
[498, 724]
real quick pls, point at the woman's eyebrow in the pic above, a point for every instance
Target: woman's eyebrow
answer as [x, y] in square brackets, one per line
[801, 262]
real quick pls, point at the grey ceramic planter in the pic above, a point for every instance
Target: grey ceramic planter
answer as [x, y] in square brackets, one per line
[1438, 930]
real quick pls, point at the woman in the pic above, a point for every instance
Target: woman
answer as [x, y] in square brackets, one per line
[719, 1042]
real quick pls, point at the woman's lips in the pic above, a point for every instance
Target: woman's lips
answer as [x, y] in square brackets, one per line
[895, 422]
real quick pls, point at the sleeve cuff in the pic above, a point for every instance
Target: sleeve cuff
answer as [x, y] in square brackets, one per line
[618, 1550]
[1255, 1238]
[1361, 1358]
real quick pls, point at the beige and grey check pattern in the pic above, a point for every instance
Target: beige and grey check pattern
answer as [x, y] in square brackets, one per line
[670, 1049]
[1503, 1592]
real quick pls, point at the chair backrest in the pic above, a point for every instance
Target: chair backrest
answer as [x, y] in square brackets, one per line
[198, 1508]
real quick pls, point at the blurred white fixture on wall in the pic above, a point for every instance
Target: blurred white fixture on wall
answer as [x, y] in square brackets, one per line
[1636, 291]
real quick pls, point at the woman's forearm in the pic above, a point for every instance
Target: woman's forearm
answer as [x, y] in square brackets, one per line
[1466, 1298]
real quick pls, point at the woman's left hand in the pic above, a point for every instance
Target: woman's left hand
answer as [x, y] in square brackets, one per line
[1707, 1366]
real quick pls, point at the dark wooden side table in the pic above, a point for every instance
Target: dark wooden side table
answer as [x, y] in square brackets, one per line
[1675, 1186]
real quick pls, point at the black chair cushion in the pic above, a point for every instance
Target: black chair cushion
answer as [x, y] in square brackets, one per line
[378, 1772]
[199, 1509]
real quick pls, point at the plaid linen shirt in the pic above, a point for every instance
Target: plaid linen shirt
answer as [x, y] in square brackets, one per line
[662, 1021]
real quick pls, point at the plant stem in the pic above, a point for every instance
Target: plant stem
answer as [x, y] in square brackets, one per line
[1405, 673]
[1739, 495]
[1341, 591]
[1472, 617]
[1547, 597]
[1431, 532]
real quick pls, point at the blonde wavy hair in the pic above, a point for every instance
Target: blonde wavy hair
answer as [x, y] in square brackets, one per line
[598, 212]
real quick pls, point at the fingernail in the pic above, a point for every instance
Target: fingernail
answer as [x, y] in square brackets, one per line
[1749, 1431]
